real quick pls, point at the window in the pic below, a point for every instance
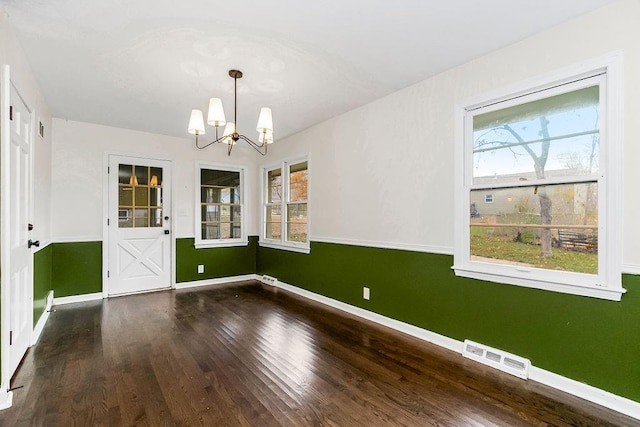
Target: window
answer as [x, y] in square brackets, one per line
[219, 220]
[543, 162]
[286, 195]
[139, 196]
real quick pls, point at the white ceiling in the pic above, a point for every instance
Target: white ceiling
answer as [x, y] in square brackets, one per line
[144, 64]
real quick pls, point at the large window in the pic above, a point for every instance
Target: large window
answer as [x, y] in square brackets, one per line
[285, 195]
[537, 208]
[219, 216]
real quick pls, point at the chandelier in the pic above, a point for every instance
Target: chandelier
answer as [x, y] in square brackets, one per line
[230, 135]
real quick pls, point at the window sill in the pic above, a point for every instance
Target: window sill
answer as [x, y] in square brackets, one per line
[220, 244]
[514, 277]
[291, 248]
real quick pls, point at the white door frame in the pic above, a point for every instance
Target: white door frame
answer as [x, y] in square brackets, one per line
[105, 215]
[6, 396]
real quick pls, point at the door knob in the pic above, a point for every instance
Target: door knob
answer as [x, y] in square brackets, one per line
[32, 243]
[166, 231]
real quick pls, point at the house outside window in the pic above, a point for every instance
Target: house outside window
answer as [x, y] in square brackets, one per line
[285, 206]
[219, 210]
[543, 161]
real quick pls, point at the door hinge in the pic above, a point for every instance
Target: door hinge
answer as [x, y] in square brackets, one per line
[10, 112]
[107, 274]
[10, 337]
[107, 221]
[108, 169]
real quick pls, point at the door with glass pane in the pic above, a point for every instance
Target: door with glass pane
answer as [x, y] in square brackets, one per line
[139, 225]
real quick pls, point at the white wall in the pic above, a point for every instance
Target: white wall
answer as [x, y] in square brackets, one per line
[78, 172]
[22, 77]
[384, 173]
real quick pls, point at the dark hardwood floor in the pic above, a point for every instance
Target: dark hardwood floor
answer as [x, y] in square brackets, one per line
[245, 355]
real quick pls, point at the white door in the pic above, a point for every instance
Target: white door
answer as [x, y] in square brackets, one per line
[20, 273]
[139, 245]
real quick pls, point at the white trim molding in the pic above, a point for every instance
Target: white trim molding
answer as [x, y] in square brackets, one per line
[77, 239]
[290, 248]
[201, 243]
[6, 398]
[605, 72]
[584, 391]
[217, 281]
[43, 244]
[413, 247]
[37, 330]
[78, 298]
[631, 269]
[284, 166]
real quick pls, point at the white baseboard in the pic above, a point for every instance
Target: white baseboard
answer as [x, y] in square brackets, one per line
[406, 328]
[77, 298]
[6, 398]
[584, 391]
[631, 269]
[37, 330]
[219, 281]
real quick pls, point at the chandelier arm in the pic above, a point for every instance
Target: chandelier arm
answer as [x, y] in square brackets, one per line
[257, 147]
[210, 143]
[219, 140]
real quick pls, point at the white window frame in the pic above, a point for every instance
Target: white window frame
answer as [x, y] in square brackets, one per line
[607, 284]
[488, 198]
[216, 243]
[283, 243]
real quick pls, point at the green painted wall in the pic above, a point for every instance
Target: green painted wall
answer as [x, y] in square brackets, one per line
[76, 268]
[587, 339]
[42, 269]
[218, 262]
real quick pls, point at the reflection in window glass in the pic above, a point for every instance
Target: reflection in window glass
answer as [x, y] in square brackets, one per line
[220, 204]
[286, 193]
[555, 140]
[511, 229]
[139, 197]
[549, 137]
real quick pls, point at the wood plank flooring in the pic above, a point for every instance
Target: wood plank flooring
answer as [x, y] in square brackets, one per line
[243, 355]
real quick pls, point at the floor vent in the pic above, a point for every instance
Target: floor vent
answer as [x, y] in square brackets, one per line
[268, 280]
[498, 359]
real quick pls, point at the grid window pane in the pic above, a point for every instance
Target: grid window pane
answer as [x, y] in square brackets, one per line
[141, 217]
[139, 197]
[551, 137]
[125, 173]
[220, 208]
[125, 195]
[510, 230]
[156, 217]
[125, 218]
[142, 174]
[297, 222]
[298, 182]
[274, 186]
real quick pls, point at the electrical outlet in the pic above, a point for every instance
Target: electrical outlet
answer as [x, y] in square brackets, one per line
[200, 268]
[366, 294]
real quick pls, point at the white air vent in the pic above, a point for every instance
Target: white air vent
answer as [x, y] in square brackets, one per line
[498, 359]
[268, 280]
